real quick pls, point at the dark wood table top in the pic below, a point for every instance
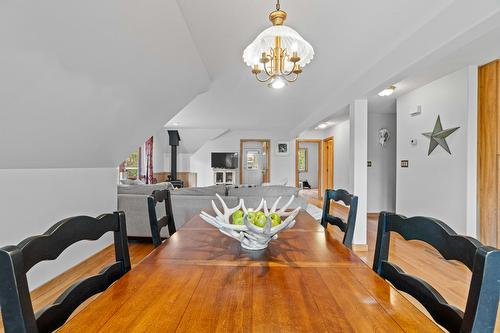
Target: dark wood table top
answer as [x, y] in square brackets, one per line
[200, 280]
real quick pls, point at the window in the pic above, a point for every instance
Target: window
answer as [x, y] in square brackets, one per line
[302, 160]
[252, 160]
[132, 163]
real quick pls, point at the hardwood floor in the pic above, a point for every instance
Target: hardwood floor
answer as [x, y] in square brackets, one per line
[47, 293]
[451, 279]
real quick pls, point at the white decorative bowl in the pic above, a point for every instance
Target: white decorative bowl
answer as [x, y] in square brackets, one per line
[250, 236]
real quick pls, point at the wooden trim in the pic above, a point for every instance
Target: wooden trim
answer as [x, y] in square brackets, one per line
[267, 147]
[189, 178]
[320, 152]
[488, 152]
[332, 167]
[360, 247]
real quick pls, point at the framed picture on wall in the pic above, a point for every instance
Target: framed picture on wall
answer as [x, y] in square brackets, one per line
[302, 160]
[282, 148]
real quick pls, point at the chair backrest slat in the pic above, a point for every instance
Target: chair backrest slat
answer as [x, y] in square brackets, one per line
[52, 317]
[16, 261]
[59, 237]
[347, 227]
[156, 224]
[436, 233]
[484, 262]
[430, 298]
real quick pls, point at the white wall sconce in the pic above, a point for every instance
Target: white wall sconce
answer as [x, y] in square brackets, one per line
[417, 111]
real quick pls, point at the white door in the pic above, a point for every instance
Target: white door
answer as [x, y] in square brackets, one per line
[253, 164]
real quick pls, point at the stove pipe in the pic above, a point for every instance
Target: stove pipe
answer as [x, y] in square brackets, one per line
[173, 141]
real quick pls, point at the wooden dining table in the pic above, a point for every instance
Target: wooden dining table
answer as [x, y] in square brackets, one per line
[200, 280]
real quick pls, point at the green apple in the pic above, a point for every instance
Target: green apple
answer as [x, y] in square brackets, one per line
[238, 220]
[251, 216]
[275, 219]
[238, 213]
[260, 221]
[260, 213]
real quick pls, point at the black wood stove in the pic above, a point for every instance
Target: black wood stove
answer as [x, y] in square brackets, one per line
[173, 141]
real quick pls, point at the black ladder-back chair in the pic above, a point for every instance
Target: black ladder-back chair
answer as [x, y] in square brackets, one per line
[347, 227]
[483, 261]
[16, 260]
[156, 224]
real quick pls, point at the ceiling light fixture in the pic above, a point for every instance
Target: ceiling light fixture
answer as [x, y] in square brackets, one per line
[325, 125]
[279, 53]
[387, 92]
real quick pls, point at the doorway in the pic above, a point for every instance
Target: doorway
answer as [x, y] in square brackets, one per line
[328, 153]
[308, 167]
[255, 161]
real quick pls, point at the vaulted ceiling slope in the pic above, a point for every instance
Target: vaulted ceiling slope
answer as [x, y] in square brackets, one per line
[191, 138]
[82, 83]
[361, 46]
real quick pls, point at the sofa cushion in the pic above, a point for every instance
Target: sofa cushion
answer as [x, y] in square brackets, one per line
[298, 201]
[145, 189]
[201, 191]
[263, 191]
[132, 182]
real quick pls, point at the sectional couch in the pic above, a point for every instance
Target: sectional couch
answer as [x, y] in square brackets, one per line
[188, 202]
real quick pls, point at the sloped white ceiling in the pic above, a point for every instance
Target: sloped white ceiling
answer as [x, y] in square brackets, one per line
[82, 83]
[360, 47]
[191, 138]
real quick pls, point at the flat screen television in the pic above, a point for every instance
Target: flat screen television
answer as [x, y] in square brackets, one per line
[225, 160]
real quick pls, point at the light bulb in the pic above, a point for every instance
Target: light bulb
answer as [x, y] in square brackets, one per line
[277, 83]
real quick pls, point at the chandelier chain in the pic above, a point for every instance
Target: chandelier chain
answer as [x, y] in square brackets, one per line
[277, 4]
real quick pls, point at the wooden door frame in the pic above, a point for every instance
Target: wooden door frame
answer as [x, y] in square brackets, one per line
[488, 153]
[267, 175]
[320, 153]
[325, 181]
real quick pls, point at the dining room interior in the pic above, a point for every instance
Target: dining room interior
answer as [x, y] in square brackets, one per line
[226, 166]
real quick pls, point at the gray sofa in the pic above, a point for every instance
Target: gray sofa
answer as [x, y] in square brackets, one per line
[188, 202]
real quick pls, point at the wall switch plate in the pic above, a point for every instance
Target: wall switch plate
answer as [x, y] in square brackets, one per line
[369, 164]
[404, 163]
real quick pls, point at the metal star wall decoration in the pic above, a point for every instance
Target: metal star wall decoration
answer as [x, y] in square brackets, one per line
[438, 136]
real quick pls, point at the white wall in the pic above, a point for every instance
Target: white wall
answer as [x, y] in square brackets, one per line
[311, 175]
[162, 155]
[32, 200]
[85, 83]
[282, 167]
[382, 173]
[437, 185]
[341, 151]
[341, 148]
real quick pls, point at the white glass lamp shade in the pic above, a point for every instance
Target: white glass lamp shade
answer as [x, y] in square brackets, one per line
[290, 40]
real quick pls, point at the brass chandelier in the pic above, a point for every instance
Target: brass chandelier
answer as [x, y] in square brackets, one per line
[278, 55]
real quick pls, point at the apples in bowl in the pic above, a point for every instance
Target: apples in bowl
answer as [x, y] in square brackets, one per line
[253, 228]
